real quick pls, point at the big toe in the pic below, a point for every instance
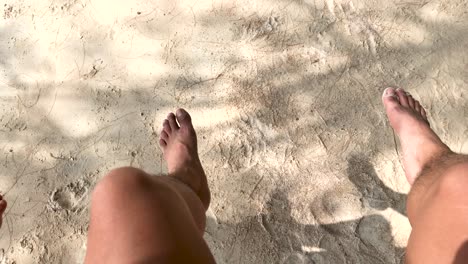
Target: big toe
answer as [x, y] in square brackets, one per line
[390, 99]
[3, 206]
[184, 119]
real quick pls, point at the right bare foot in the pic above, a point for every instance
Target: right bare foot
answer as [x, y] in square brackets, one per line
[420, 145]
[3, 206]
[179, 144]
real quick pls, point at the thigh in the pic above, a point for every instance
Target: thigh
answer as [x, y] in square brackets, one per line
[136, 219]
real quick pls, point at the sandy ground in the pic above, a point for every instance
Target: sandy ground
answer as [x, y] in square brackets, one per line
[285, 96]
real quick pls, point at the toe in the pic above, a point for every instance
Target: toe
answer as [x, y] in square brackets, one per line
[417, 106]
[402, 97]
[162, 143]
[411, 102]
[166, 126]
[172, 122]
[164, 136]
[423, 113]
[390, 98]
[184, 118]
[3, 206]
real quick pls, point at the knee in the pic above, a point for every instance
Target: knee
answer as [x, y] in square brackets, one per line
[121, 182]
[454, 181]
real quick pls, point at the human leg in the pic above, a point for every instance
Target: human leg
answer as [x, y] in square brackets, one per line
[437, 206]
[139, 218]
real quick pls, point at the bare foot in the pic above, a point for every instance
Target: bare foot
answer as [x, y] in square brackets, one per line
[3, 206]
[418, 141]
[179, 144]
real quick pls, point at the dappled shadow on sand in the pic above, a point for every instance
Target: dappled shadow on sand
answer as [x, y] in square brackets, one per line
[275, 235]
[294, 95]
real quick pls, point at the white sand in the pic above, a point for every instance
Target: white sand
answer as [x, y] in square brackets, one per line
[285, 96]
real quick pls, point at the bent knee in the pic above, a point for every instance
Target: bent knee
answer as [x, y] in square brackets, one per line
[454, 181]
[121, 181]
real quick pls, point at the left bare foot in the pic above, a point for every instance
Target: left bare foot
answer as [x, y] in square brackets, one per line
[179, 144]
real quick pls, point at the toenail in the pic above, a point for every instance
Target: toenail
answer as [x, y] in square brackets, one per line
[389, 92]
